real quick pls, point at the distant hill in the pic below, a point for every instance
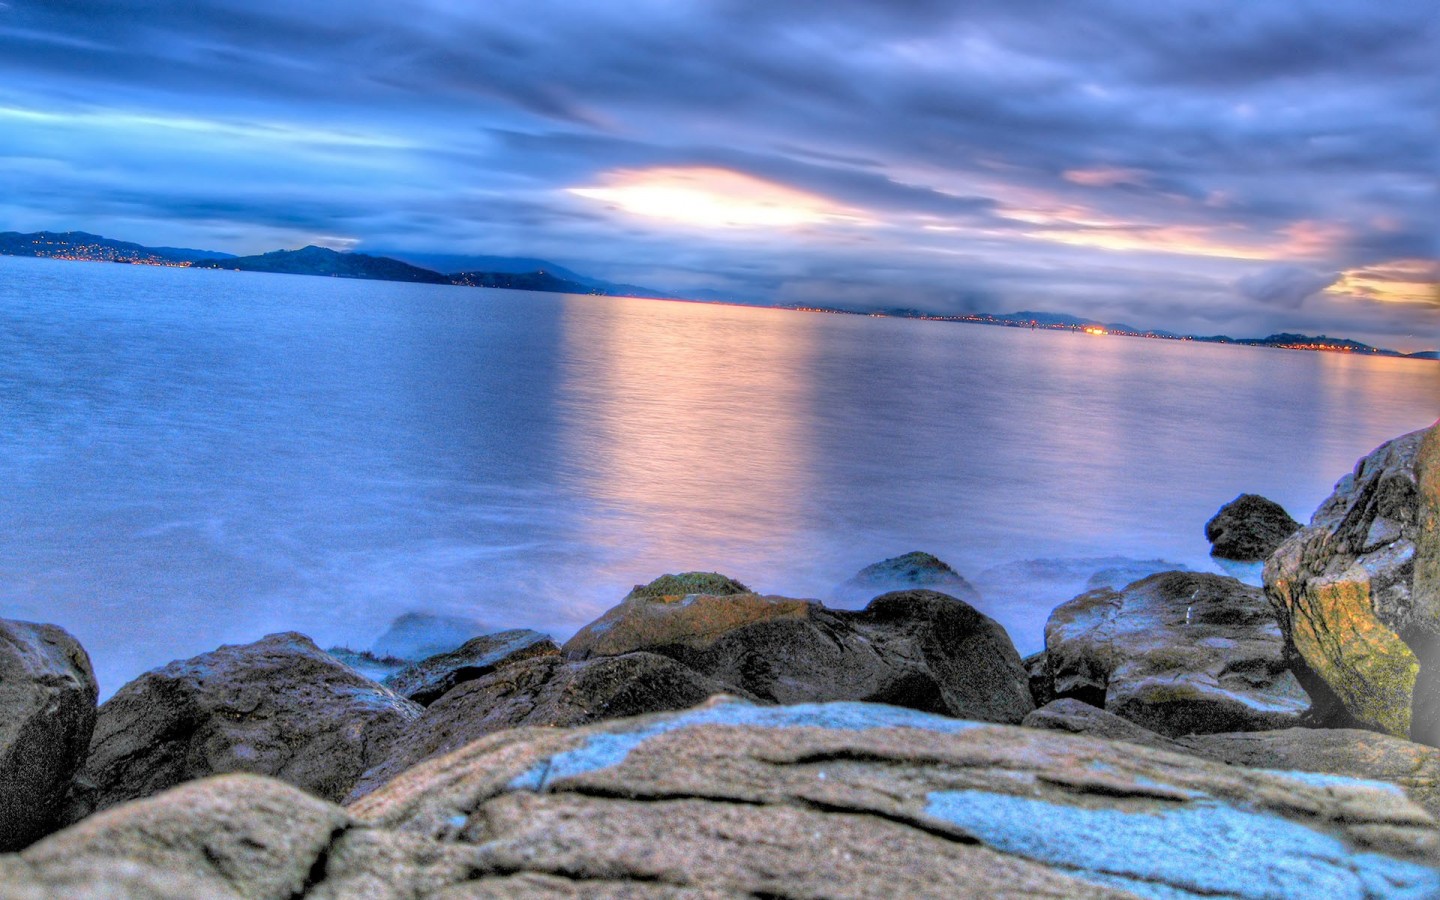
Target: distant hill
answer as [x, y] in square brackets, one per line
[532, 274]
[523, 281]
[314, 260]
[83, 245]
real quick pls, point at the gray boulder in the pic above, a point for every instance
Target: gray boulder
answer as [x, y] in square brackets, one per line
[1249, 528]
[542, 692]
[1179, 653]
[920, 649]
[277, 707]
[426, 681]
[910, 570]
[47, 714]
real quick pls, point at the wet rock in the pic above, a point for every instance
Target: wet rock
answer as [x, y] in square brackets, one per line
[1343, 592]
[920, 649]
[689, 583]
[276, 707]
[1249, 528]
[1348, 752]
[543, 692]
[47, 714]
[1076, 717]
[1178, 652]
[911, 570]
[415, 636]
[733, 800]
[426, 681]
[376, 668]
[235, 836]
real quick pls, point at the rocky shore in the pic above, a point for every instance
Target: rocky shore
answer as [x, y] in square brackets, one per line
[1182, 735]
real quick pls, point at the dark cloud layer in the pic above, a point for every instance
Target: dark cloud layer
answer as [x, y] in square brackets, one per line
[1196, 164]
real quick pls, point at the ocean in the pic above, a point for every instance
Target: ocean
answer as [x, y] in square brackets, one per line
[193, 458]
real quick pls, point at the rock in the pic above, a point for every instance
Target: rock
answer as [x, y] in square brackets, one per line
[425, 681]
[733, 800]
[1077, 717]
[415, 636]
[1037, 679]
[235, 836]
[1342, 590]
[1424, 638]
[1249, 528]
[920, 649]
[1178, 652]
[276, 707]
[1348, 752]
[544, 692]
[861, 800]
[911, 570]
[47, 713]
[689, 583]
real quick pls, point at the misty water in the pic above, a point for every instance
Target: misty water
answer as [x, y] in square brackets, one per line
[193, 458]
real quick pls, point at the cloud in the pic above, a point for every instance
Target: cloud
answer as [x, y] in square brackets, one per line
[1104, 156]
[1286, 287]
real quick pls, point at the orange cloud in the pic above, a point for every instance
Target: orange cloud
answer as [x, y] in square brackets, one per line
[1395, 281]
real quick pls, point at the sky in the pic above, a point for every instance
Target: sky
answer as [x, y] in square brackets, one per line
[1207, 166]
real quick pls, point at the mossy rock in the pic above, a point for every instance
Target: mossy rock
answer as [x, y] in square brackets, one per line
[685, 583]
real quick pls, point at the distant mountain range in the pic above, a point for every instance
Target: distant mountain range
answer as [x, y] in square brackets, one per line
[529, 274]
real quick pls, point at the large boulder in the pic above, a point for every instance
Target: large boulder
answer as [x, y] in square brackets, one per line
[1179, 653]
[920, 649]
[426, 681]
[279, 707]
[1249, 528]
[689, 583]
[733, 800]
[47, 714]
[916, 569]
[544, 692]
[1343, 589]
[1424, 638]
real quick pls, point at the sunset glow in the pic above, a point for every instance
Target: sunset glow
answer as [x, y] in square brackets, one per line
[712, 198]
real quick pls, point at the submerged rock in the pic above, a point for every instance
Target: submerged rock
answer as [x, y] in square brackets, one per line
[911, 570]
[415, 636]
[733, 800]
[920, 649]
[426, 681]
[1343, 591]
[1178, 652]
[543, 692]
[279, 706]
[47, 714]
[1249, 528]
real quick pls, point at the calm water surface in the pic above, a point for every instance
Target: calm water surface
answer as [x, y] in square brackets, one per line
[192, 458]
